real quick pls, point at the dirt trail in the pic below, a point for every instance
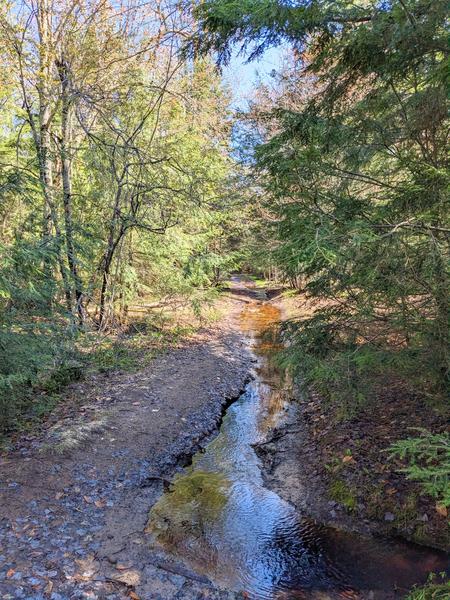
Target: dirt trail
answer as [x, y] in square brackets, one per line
[72, 518]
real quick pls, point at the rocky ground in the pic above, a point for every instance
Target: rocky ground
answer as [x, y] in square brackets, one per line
[75, 496]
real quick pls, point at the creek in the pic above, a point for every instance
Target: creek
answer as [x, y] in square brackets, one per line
[221, 520]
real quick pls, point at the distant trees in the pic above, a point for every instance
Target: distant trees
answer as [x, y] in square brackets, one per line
[113, 170]
[355, 171]
[100, 90]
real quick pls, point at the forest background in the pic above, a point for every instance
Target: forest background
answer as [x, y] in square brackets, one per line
[128, 178]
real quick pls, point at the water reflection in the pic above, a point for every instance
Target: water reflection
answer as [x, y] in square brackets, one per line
[223, 523]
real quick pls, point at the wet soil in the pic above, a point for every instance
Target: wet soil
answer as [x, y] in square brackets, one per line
[74, 496]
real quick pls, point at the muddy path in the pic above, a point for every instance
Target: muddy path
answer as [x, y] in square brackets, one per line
[74, 498]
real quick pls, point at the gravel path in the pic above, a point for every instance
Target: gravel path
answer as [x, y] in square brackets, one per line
[74, 499]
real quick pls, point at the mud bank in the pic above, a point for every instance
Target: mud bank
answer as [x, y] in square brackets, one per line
[339, 473]
[338, 470]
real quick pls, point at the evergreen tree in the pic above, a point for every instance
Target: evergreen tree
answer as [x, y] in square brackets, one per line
[355, 169]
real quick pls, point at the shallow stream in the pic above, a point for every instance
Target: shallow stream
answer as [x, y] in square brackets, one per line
[223, 523]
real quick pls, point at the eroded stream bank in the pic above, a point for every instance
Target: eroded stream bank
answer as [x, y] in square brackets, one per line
[222, 521]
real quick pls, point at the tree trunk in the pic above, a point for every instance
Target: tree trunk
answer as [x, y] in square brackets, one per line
[113, 241]
[66, 169]
[42, 139]
[50, 213]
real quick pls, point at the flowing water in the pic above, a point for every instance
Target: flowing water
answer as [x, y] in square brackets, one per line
[223, 523]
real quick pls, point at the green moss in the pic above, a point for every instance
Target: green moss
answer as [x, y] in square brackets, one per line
[433, 590]
[195, 498]
[341, 492]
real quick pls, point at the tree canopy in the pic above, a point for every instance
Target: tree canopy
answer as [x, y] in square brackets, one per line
[354, 165]
[114, 170]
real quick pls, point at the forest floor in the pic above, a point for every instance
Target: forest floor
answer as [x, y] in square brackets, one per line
[337, 469]
[75, 493]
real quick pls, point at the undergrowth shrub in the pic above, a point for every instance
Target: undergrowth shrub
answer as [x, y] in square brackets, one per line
[35, 357]
[435, 589]
[346, 369]
[428, 462]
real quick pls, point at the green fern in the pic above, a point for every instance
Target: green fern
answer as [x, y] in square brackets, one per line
[428, 458]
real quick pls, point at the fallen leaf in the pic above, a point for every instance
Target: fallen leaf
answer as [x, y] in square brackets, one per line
[442, 510]
[49, 587]
[348, 459]
[87, 568]
[88, 499]
[100, 503]
[131, 578]
[81, 577]
[10, 573]
[59, 495]
[133, 596]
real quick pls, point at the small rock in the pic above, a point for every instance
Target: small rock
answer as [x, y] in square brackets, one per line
[389, 517]
[424, 518]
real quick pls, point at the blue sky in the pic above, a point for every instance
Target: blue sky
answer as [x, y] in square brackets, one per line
[242, 77]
